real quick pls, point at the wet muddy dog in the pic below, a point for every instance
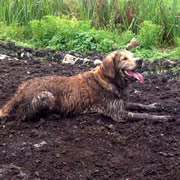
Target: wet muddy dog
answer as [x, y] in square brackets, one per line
[100, 90]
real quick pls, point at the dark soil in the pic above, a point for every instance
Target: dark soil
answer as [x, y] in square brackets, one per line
[90, 146]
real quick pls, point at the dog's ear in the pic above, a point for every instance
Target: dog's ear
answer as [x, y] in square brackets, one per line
[108, 66]
[116, 61]
[111, 68]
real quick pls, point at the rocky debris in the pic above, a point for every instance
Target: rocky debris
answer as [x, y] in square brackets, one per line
[133, 43]
[14, 171]
[89, 59]
[40, 144]
[57, 56]
[3, 57]
[97, 62]
[70, 59]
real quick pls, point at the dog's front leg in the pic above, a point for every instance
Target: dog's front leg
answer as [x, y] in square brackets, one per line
[145, 116]
[138, 106]
[114, 109]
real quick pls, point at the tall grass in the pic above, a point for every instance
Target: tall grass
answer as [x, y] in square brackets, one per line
[23, 11]
[119, 15]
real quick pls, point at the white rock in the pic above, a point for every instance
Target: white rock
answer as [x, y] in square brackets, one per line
[22, 55]
[97, 62]
[40, 144]
[69, 59]
[86, 60]
[3, 56]
[133, 43]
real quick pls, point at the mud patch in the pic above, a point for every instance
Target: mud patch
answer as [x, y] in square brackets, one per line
[90, 146]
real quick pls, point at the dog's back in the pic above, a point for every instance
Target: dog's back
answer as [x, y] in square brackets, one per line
[65, 95]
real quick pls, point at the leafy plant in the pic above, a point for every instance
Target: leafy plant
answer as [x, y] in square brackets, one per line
[14, 32]
[175, 53]
[114, 15]
[149, 53]
[150, 34]
[65, 34]
[126, 37]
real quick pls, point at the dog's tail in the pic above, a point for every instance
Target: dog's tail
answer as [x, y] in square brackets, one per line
[21, 108]
[9, 107]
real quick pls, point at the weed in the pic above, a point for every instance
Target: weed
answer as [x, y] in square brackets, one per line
[121, 15]
[150, 34]
[149, 53]
[175, 53]
[65, 34]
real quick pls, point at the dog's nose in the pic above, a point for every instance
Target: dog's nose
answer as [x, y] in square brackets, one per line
[139, 61]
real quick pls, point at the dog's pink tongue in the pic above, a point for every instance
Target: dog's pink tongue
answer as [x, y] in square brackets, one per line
[136, 75]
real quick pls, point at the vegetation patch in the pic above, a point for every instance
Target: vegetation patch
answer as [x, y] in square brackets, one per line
[93, 25]
[121, 15]
[150, 34]
[65, 35]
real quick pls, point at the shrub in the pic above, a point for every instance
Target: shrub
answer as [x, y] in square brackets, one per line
[112, 14]
[175, 53]
[150, 34]
[64, 34]
[149, 53]
[126, 37]
[14, 32]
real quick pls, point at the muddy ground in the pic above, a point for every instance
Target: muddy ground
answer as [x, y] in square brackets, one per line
[89, 146]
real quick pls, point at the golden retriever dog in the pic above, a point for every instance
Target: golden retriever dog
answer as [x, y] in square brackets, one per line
[100, 90]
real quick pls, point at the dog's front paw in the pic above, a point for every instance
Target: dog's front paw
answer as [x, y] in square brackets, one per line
[3, 120]
[157, 106]
[3, 117]
[120, 118]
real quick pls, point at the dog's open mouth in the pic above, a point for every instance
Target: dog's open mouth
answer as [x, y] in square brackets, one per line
[136, 75]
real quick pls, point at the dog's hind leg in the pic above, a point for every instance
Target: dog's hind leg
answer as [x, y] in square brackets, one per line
[40, 105]
[21, 108]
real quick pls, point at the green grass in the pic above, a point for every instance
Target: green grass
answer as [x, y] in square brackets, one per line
[93, 25]
[175, 53]
[66, 35]
[118, 15]
[154, 53]
[23, 11]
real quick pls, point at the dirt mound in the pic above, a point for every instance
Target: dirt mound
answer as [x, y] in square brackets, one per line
[90, 146]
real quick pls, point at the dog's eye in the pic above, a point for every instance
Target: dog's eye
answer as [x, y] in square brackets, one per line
[125, 58]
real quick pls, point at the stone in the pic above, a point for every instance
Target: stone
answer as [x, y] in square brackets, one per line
[133, 43]
[97, 62]
[69, 59]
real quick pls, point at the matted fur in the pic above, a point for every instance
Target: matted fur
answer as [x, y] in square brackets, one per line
[99, 90]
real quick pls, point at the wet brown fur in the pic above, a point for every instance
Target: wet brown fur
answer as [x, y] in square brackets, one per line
[99, 90]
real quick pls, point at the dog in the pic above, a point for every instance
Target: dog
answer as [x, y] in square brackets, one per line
[100, 90]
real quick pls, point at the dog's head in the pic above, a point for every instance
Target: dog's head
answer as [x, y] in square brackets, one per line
[120, 66]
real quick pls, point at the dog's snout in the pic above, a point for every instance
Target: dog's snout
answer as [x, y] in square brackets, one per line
[139, 61]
